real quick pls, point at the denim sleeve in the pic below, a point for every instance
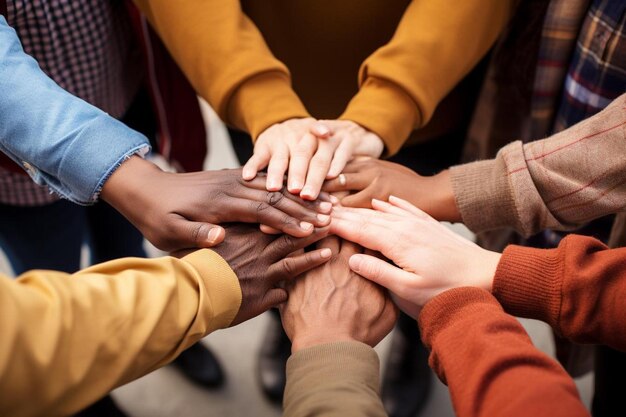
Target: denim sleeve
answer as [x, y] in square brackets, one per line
[62, 141]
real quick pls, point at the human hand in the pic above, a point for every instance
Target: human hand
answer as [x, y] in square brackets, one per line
[311, 158]
[262, 263]
[178, 211]
[331, 303]
[430, 258]
[373, 178]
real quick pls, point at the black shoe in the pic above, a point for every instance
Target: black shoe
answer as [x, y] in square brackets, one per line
[406, 380]
[105, 407]
[200, 365]
[275, 351]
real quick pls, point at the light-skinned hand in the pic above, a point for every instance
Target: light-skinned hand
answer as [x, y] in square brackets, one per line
[331, 303]
[429, 258]
[309, 156]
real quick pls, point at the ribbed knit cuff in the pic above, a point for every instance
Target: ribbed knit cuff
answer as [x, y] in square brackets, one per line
[262, 101]
[528, 282]
[221, 286]
[385, 109]
[483, 195]
[442, 310]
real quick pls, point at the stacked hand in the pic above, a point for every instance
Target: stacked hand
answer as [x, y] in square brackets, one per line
[309, 152]
[371, 179]
[178, 211]
[331, 303]
[429, 258]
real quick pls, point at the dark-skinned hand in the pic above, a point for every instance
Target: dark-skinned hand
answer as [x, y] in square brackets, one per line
[180, 211]
[262, 264]
[369, 179]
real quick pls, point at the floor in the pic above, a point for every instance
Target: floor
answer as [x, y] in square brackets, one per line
[166, 393]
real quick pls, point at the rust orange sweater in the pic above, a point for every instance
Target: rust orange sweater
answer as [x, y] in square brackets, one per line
[484, 354]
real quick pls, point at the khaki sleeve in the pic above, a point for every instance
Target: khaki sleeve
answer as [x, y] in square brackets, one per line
[560, 182]
[224, 56]
[436, 44]
[333, 380]
[67, 340]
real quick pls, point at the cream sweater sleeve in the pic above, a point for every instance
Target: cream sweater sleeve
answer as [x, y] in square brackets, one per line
[67, 340]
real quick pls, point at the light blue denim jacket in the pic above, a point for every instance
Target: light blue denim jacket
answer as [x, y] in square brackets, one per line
[62, 141]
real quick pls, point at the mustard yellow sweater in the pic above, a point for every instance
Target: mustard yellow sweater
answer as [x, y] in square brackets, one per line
[383, 64]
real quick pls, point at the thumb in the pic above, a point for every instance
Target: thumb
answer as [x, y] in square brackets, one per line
[381, 272]
[183, 233]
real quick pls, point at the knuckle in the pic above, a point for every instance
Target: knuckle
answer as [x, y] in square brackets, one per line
[274, 198]
[289, 267]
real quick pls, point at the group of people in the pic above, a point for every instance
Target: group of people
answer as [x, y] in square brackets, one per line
[506, 115]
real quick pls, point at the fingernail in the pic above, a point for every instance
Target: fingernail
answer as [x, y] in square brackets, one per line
[326, 253]
[213, 235]
[308, 192]
[273, 185]
[322, 130]
[355, 263]
[247, 174]
[326, 207]
[323, 218]
[334, 200]
[294, 186]
[306, 225]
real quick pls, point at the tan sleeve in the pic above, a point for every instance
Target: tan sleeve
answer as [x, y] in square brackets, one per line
[67, 340]
[560, 182]
[436, 44]
[224, 56]
[338, 379]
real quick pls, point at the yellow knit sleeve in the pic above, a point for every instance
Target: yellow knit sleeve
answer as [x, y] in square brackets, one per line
[227, 61]
[435, 45]
[67, 340]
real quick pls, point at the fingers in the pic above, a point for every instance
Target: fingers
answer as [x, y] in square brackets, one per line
[294, 266]
[183, 234]
[277, 167]
[362, 199]
[269, 230]
[256, 163]
[300, 160]
[275, 297]
[251, 211]
[348, 182]
[405, 205]
[389, 208]
[393, 278]
[321, 130]
[342, 155]
[285, 244]
[318, 169]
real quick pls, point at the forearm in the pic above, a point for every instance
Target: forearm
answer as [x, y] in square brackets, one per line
[576, 288]
[484, 355]
[62, 141]
[69, 339]
[560, 182]
[227, 61]
[333, 379]
[435, 46]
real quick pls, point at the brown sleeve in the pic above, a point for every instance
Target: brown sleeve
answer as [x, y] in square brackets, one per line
[227, 61]
[489, 363]
[578, 288]
[435, 45]
[560, 182]
[333, 380]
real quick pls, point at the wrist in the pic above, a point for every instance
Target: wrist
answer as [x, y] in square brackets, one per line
[447, 209]
[126, 181]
